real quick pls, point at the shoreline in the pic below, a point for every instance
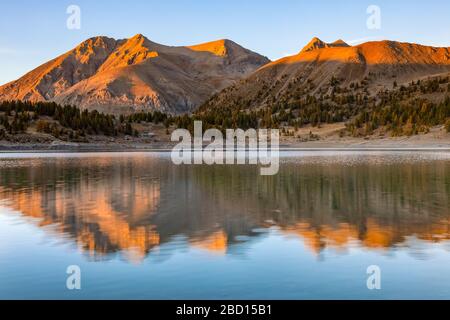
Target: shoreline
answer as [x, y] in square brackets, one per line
[358, 145]
[327, 137]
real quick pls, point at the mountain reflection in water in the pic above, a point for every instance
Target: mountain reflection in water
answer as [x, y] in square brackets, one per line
[133, 203]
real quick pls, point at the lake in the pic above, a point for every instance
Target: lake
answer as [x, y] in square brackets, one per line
[140, 227]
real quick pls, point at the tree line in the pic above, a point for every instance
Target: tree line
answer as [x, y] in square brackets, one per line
[402, 111]
[70, 121]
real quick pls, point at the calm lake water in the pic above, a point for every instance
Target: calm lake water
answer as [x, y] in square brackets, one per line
[140, 227]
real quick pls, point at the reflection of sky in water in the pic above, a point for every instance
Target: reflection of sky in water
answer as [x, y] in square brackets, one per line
[142, 228]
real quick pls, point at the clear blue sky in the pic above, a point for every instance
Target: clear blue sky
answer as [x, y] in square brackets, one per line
[33, 32]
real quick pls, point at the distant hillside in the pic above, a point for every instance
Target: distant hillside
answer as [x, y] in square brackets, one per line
[320, 68]
[121, 76]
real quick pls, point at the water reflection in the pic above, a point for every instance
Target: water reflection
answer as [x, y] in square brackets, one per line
[132, 204]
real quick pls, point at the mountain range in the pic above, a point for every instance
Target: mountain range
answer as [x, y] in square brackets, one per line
[121, 76]
[135, 74]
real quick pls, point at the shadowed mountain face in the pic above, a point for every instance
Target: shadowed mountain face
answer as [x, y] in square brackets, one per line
[132, 205]
[119, 76]
[322, 67]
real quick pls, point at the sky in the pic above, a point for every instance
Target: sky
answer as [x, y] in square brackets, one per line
[33, 32]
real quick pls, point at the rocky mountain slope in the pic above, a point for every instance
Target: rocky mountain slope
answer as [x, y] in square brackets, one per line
[120, 76]
[322, 69]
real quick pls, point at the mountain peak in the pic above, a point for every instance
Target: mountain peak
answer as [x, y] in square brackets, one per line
[219, 47]
[316, 43]
[315, 40]
[138, 39]
[138, 36]
[340, 43]
[99, 41]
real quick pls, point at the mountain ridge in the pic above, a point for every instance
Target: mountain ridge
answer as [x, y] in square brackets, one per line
[135, 74]
[318, 69]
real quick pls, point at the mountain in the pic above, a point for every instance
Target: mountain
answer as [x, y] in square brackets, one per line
[119, 76]
[321, 68]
